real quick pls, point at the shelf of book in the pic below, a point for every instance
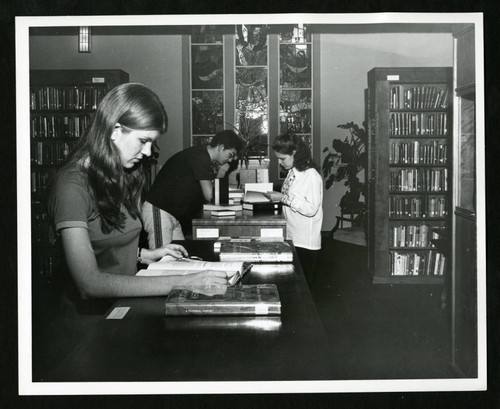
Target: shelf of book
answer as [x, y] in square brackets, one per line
[409, 117]
[62, 103]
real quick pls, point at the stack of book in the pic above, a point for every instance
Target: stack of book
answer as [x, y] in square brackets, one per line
[223, 210]
[235, 195]
[258, 202]
[223, 214]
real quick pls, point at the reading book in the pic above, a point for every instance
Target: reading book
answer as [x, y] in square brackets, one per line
[168, 265]
[255, 197]
[255, 299]
[255, 251]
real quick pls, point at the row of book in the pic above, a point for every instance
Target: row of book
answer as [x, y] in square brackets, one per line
[417, 207]
[422, 263]
[406, 124]
[54, 126]
[418, 180]
[53, 153]
[41, 180]
[66, 98]
[413, 236]
[41, 229]
[417, 153]
[419, 97]
[46, 267]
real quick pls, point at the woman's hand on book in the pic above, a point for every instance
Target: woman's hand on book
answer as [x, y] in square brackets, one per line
[211, 290]
[174, 250]
[274, 196]
[208, 277]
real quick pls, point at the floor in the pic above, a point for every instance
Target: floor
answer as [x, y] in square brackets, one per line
[378, 331]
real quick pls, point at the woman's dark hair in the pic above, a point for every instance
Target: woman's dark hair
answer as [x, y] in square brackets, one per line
[227, 138]
[137, 107]
[287, 143]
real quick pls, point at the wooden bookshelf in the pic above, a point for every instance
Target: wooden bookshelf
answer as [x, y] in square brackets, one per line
[409, 117]
[62, 103]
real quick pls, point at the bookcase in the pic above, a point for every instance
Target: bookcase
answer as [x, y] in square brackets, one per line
[409, 117]
[61, 105]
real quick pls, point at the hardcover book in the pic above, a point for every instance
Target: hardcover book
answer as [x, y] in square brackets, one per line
[256, 251]
[252, 196]
[264, 208]
[214, 207]
[235, 270]
[223, 213]
[255, 299]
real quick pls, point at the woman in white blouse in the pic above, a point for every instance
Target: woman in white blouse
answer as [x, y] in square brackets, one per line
[302, 197]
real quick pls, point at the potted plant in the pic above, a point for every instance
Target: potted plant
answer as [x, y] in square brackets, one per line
[343, 161]
[254, 139]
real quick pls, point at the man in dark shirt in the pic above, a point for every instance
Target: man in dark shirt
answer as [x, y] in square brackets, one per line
[183, 184]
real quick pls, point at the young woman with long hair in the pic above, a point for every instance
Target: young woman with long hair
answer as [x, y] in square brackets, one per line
[96, 200]
[302, 198]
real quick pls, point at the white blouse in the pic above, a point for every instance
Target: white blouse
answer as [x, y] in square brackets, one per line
[303, 208]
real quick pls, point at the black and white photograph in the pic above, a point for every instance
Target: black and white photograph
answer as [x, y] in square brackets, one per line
[268, 203]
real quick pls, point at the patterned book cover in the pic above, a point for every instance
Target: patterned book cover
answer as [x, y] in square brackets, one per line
[256, 251]
[255, 299]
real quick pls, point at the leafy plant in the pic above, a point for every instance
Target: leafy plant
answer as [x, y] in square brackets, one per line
[345, 159]
[255, 140]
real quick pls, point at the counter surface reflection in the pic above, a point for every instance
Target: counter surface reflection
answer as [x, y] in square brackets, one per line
[145, 345]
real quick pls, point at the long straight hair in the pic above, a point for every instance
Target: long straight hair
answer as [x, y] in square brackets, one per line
[287, 143]
[134, 106]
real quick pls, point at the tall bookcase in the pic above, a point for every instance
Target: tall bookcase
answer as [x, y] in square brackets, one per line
[409, 116]
[61, 105]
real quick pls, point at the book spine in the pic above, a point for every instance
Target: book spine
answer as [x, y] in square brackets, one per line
[227, 309]
[267, 208]
[256, 258]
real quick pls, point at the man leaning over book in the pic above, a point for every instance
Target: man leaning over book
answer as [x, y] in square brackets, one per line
[183, 184]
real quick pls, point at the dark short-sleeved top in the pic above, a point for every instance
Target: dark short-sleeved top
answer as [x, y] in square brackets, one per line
[176, 188]
[71, 205]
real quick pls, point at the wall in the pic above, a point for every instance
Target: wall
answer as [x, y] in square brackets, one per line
[345, 61]
[151, 60]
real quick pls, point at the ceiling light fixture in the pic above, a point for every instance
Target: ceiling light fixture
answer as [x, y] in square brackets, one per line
[84, 40]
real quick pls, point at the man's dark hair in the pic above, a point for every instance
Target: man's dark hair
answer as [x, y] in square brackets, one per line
[227, 138]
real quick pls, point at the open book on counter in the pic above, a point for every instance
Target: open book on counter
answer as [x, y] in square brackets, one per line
[257, 197]
[253, 299]
[258, 193]
[168, 265]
